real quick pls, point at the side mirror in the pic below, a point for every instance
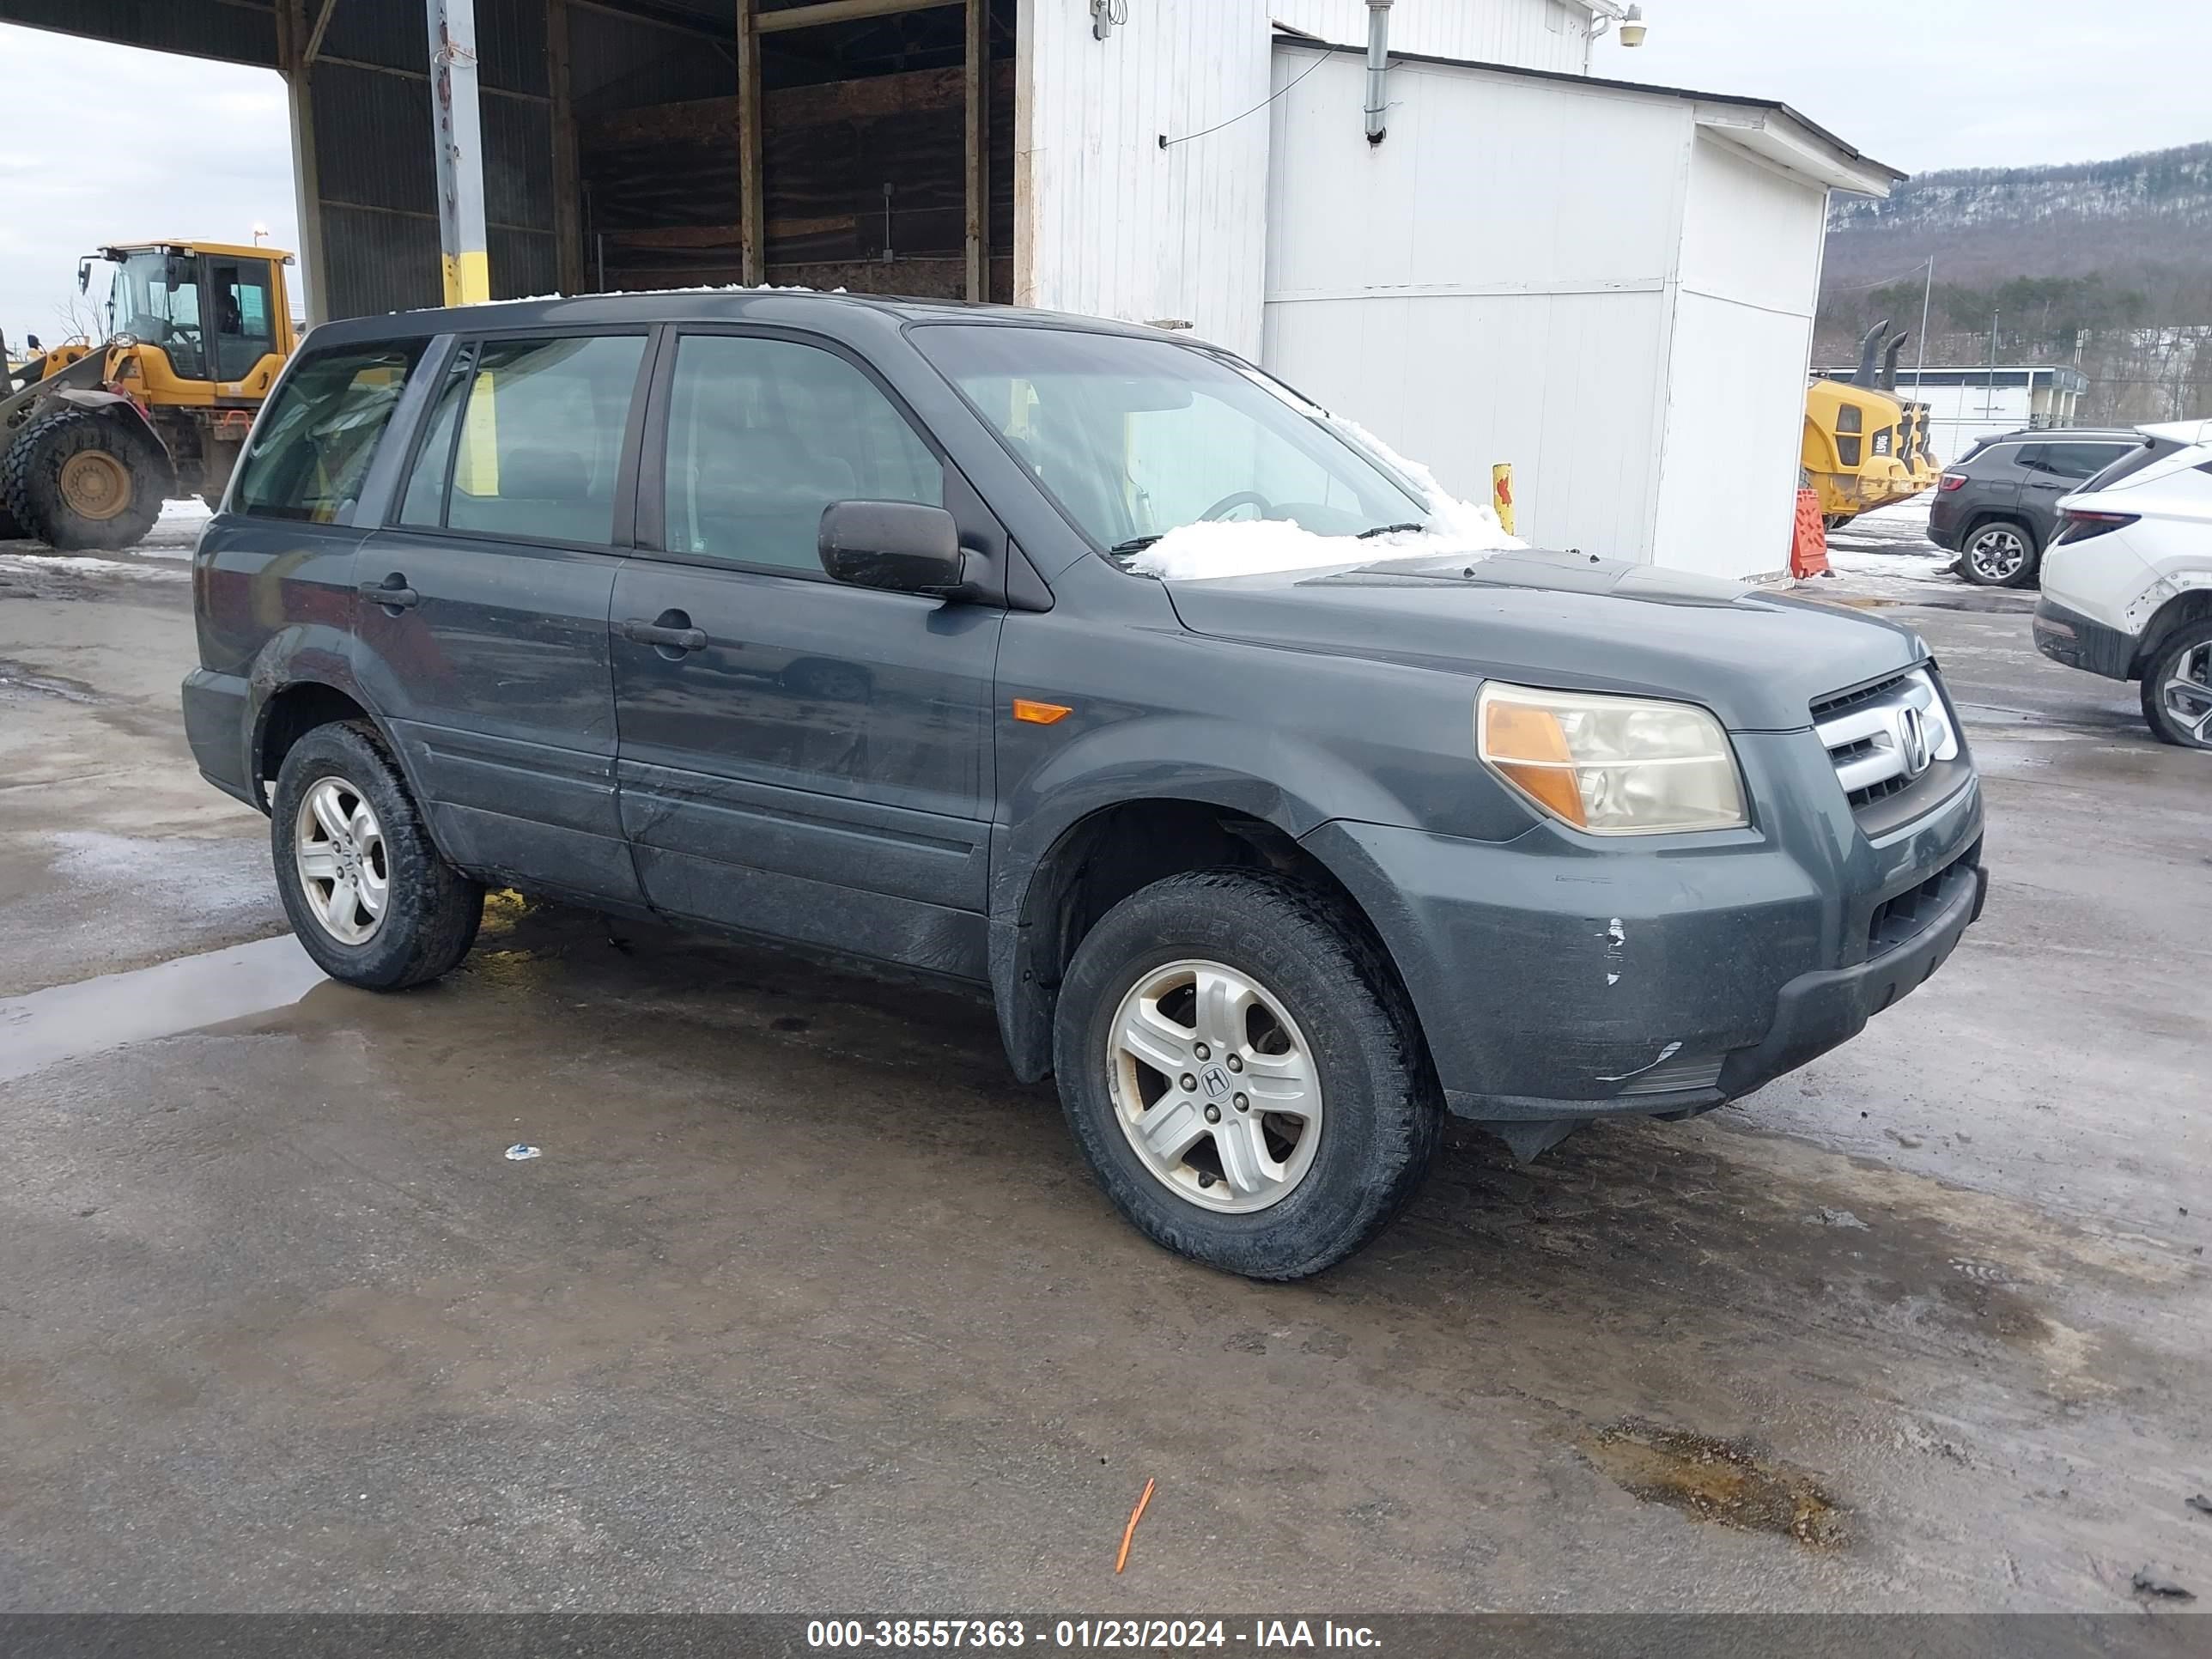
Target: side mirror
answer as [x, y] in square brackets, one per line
[83, 275]
[899, 545]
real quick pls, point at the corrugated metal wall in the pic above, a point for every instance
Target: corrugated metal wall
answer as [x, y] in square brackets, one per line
[371, 93]
[235, 31]
[1548, 34]
[628, 63]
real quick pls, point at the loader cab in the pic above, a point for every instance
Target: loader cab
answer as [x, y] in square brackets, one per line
[212, 322]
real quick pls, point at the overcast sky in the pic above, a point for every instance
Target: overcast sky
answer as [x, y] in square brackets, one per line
[1946, 83]
[103, 143]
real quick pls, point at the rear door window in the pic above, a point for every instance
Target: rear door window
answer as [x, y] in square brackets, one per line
[313, 446]
[526, 440]
[2079, 460]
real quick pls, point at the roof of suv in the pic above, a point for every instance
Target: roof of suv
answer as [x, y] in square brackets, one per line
[2067, 435]
[709, 303]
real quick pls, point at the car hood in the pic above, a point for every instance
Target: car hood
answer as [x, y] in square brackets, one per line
[1569, 621]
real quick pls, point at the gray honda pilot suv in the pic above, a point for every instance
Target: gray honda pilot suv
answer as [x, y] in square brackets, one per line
[820, 619]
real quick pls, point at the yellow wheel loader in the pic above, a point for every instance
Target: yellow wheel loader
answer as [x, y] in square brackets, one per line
[94, 438]
[1864, 447]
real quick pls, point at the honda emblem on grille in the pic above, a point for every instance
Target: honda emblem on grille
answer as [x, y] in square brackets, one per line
[1912, 741]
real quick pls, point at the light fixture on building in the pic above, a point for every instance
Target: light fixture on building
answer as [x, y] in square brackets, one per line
[1632, 26]
[1106, 16]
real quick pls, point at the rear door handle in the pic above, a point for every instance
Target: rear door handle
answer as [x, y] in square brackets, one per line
[392, 594]
[638, 631]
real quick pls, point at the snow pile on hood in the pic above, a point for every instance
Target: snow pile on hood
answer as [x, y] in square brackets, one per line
[1250, 547]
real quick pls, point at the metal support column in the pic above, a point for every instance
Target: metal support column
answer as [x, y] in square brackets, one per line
[752, 209]
[977, 111]
[568, 188]
[298, 40]
[460, 140]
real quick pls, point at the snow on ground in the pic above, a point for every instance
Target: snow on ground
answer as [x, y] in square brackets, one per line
[1888, 548]
[79, 564]
[177, 532]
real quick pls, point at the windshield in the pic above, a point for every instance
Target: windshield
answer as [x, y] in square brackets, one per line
[1136, 438]
[156, 299]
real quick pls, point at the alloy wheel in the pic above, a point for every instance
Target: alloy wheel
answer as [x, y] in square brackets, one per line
[1215, 1087]
[2186, 693]
[1997, 555]
[345, 869]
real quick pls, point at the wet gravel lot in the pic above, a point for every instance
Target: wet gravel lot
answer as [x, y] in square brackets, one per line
[804, 1305]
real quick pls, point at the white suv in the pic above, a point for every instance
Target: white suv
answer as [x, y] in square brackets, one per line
[2127, 584]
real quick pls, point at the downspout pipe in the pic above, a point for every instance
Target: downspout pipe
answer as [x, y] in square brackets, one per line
[1378, 69]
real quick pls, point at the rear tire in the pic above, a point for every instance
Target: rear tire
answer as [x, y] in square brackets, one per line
[1998, 553]
[369, 894]
[1370, 1100]
[80, 479]
[2177, 687]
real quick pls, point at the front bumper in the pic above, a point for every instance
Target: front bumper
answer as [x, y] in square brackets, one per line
[1557, 981]
[2067, 636]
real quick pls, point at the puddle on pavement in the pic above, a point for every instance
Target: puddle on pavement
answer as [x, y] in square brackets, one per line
[69, 1022]
[1720, 1481]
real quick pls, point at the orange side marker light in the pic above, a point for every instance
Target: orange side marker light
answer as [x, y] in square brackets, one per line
[1041, 714]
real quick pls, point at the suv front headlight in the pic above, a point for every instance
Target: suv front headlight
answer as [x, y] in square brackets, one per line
[1612, 766]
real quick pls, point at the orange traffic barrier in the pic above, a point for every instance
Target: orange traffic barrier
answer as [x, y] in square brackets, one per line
[1809, 549]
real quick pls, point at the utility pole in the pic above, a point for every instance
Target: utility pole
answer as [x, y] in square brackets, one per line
[459, 141]
[1992, 410]
[1927, 300]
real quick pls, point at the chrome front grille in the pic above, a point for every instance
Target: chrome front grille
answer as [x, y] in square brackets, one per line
[1883, 739]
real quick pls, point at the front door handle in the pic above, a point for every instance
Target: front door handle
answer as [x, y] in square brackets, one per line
[392, 592]
[672, 633]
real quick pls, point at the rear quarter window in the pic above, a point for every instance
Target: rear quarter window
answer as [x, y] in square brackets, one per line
[312, 448]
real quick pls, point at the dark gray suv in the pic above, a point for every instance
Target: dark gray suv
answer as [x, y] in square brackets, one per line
[820, 619]
[1997, 506]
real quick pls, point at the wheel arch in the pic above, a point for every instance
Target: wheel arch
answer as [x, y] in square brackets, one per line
[2194, 604]
[296, 685]
[1101, 858]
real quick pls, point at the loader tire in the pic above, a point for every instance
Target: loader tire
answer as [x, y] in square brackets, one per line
[79, 479]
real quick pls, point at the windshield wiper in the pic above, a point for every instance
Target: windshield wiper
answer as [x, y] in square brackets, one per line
[1389, 529]
[1134, 545]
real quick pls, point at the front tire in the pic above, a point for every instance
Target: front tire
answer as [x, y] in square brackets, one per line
[368, 893]
[82, 480]
[1242, 1074]
[2177, 688]
[1998, 554]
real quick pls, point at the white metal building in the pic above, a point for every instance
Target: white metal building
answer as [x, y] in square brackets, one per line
[1611, 286]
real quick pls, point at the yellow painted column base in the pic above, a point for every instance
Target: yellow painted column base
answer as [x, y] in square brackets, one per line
[468, 279]
[1501, 495]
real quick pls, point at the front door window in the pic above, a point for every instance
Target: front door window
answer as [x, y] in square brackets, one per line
[245, 332]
